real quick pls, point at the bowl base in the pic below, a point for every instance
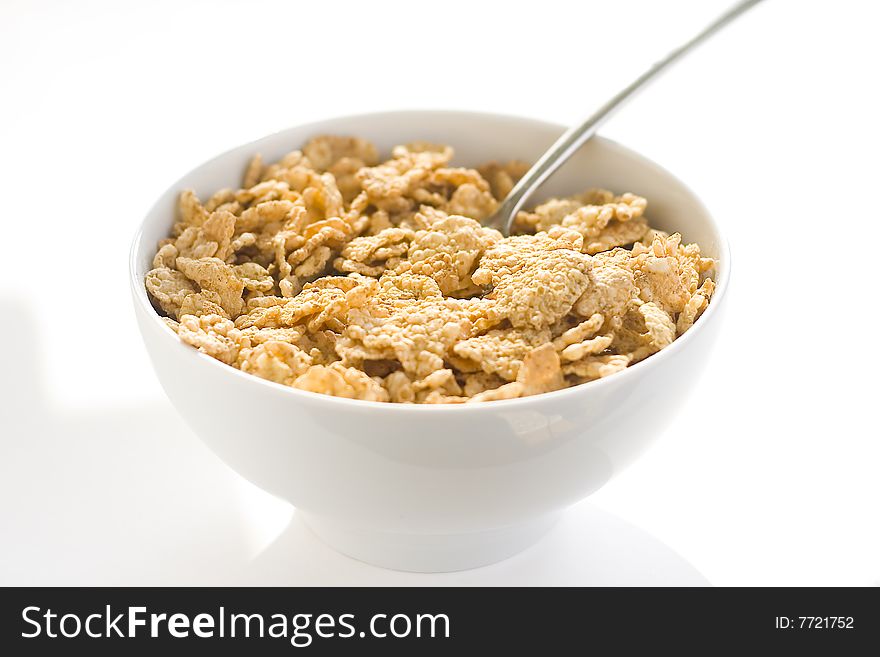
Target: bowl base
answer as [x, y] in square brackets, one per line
[430, 553]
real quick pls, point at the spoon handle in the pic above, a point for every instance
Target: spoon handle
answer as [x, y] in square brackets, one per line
[575, 137]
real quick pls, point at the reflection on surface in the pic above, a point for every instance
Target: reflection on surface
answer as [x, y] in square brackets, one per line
[588, 547]
[129, 496]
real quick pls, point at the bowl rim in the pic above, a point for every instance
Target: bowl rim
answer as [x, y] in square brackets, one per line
[618, 378]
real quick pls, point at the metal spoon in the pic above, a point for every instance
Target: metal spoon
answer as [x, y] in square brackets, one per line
[575, 137]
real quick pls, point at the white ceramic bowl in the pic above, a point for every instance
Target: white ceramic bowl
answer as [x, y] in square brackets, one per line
[435, 488]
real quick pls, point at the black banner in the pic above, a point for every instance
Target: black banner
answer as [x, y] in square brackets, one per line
[108, 621]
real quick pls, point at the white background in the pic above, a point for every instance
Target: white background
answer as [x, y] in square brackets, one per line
[770, 477]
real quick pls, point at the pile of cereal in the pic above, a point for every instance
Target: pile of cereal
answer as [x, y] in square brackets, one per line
[333, 272]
